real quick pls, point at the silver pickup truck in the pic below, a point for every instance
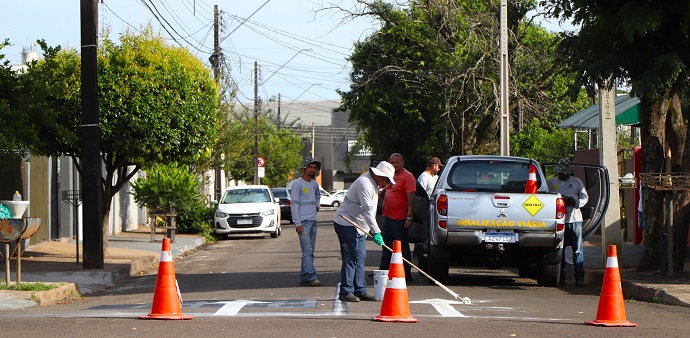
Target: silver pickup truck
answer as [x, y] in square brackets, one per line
[480, 215]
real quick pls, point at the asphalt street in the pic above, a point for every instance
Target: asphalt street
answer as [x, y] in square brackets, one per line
[248, 286]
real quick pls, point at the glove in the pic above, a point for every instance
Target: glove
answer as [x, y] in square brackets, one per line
[378, 239]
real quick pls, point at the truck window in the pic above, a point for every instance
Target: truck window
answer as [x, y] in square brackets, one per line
[489, 176]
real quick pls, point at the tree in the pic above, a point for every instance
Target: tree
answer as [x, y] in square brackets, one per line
[15, 129]
[158, 104]
[280, 148]
[428, 78]
[644, 43]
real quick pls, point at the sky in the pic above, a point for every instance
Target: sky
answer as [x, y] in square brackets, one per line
[301, 52]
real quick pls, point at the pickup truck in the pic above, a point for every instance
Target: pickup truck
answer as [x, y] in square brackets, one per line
[480, 215]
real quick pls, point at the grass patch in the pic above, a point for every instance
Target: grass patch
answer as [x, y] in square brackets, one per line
[31, 286]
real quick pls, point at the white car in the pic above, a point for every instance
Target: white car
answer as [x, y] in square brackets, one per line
[339, 195]
[328, 200]
[248, 209]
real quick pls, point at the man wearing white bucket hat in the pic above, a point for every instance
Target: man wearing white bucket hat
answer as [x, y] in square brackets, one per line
[359, 205]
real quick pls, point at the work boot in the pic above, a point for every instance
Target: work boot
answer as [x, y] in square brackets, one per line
[313, 282]
[348, 298]
[365, 297]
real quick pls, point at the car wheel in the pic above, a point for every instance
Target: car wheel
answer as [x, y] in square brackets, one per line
[336, 204]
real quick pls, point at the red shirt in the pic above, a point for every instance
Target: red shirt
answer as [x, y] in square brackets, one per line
[395, 200]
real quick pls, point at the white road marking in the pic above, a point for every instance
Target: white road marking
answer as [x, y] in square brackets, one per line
[443, 307]
[231, 308]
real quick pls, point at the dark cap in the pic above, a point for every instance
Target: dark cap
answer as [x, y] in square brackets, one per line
[434, 160]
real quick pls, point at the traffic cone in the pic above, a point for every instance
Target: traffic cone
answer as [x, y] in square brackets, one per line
[531, 186]
[611, 310]
[395, 306]
[167, 301]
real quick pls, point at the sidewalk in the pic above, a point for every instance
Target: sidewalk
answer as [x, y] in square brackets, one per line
[128, 254]
[654, 287]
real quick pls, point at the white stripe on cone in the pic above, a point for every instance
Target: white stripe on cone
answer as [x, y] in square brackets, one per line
[396, 283]
[532, 177]
[396, 258]
[166, 256]
[612, 262]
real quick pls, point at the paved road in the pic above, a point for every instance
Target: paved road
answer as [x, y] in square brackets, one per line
[248, 286]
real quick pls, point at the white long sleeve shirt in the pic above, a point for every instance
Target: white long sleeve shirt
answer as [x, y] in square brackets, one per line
[359, 205]
[304, 200]
[572, 187]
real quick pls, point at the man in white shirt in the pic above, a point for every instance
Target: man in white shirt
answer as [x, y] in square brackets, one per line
[359, 206]
[427, 179]
[575, 196]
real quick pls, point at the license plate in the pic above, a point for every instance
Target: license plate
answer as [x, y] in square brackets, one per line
[244, 221]
[499, 237]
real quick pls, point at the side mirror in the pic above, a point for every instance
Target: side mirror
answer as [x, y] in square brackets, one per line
[276, 199]
[214, 203]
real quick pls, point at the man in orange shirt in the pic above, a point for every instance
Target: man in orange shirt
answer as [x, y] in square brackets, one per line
[397, 212]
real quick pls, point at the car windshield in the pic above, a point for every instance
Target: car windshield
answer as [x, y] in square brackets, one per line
[246, 196]
[489, 176]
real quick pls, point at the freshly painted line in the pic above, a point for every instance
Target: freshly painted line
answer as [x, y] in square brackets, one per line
[443, 307]
[231, 308]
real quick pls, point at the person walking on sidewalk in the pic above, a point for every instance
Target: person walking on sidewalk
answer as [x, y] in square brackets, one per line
[575, 196]
[397, 213]
[305, 198]
[359, 206]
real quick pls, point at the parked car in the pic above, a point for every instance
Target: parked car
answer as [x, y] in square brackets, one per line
[248, 209]
[328, 200]
[339, 195]
[283, 194]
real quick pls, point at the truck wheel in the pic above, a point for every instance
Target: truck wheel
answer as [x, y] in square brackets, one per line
[548, 274]
[438, 263]
[527, 270]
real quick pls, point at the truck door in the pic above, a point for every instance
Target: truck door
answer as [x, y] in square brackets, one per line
[596, 181]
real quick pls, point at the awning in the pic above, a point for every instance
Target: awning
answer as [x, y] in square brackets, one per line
[627, 114]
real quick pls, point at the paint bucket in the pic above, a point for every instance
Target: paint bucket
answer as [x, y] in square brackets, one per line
[380, 281]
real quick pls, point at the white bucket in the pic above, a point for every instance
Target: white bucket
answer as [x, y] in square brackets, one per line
[380, 281]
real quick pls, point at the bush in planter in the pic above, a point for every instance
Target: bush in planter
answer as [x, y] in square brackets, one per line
[171, 186]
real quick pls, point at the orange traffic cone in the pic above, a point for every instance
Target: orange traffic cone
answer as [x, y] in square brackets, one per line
[166, 298]
[611, 310]
[395, 306]
[531, 186]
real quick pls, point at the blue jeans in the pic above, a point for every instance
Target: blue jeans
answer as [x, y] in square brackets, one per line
[573, 238]
[307, 241]
[392, 230]
[353, 251]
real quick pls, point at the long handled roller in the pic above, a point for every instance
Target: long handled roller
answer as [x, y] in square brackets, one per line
[465, 300]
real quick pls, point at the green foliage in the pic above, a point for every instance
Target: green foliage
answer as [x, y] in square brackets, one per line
[32, 286]
[173, 186]
[165, 187]
[157, 104]
[196, 217]
[16, 133]
[428, 78]
[280, 148]
[542, 144]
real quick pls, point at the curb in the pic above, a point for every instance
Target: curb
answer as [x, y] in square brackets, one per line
[637, 291]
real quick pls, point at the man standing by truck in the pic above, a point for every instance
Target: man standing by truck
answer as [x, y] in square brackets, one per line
[575, 196]
[397, 213]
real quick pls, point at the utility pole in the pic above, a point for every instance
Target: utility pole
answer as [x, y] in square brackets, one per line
[313, 140]
[256, 123]
[216, 60]
[278, 111]
[504, 104]
[92, 193]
